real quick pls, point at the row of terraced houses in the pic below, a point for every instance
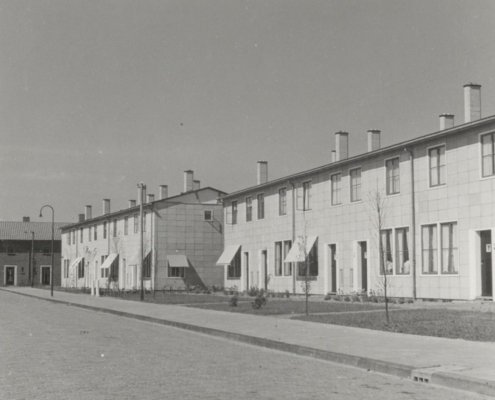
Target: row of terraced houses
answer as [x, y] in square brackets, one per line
[434, 237]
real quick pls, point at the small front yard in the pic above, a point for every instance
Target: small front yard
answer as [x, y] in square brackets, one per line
[287, 306]
[458, 324]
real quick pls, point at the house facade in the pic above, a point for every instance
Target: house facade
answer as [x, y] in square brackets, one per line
[418, 217]
[181, 240]
[25, 253]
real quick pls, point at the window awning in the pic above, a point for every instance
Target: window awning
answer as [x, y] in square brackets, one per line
[109, 260]
[228, 254]
[297, 253]
[178, 261]
[75, 262]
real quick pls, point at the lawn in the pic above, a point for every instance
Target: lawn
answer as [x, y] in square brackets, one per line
[288, 306]
[458, 324]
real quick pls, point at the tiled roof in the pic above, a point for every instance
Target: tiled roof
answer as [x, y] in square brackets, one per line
[16, 230]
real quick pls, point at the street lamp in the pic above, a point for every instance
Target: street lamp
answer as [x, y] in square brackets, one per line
[53, 228]
[142, 188]
[31, 260]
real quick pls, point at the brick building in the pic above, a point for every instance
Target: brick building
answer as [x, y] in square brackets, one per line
[182, 239]
[436, 236]
[25, 253]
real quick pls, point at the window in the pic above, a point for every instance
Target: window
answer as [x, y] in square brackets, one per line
[89, 234]
[66, 268]
[392, 176]
[448, 233]
[176, 272]
[68, 238]
[336, 188]
[282, 201]
[104, 271]
[488, 154]
[312, 262]
[287, 266]
[278, 258]
[234, 212]
[80, 269]
[355, 184]
[114, 228]
[114, 270]
[436, 157]
[234, 268]
[74, 237]
[386, 261]
[304, 196]
[208, 215]
[81, 235]
[402, 264]
[429, 249]
[136, 223]
[126, 225]
[95, 234]
[249, 208]
[147, 266]
[104, 230]
[261, 205]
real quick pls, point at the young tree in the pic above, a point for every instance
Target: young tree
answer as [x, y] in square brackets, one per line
[377, 204]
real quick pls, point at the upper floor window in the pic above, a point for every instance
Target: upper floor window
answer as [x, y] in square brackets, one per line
[234, 212]
[393, 180]
[81, 234]
[74, 237]
[136, 223]
[488, 154]
[126, 225]
[95, 232]
[261, 205]
[355, 184]
[89, 234]
[429, 249]
[436, 158]
[68, 238]
[386, 262]
[336, 187]
[104, 230]
[249, 208]
[114, 228]
[282, 201]
[304, 196]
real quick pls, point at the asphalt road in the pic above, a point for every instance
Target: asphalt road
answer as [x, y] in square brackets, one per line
[51, 351]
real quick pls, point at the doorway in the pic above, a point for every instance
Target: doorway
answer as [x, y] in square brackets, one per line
[9, 275]
[486, 263]
[363, 257]
[45, 275]
[264, 266]
[333, 267]
[246, 263]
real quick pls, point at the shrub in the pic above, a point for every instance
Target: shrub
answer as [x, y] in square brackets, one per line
[259, 302]
[328, 297]
[234, 300]
[347, 298]
[287, 294]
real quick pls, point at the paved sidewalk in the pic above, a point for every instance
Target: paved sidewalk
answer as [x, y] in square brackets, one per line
[454, 363]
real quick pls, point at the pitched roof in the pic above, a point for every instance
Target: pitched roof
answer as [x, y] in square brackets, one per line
[18, 230]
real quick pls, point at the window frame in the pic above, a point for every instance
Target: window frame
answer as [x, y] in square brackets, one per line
[481, 136]
[438, 167]
[249, 208]
[260, 205]
[234, 209]
[358, 187]
[176, 272]
[282, 201]
[336, 189]
[392, 180]
[234, 269]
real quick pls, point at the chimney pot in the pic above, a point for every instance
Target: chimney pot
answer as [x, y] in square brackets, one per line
[341, 145]
[163, 192]
[333, 156]
[262, 176]
[373, 139]
[106, 206]
[150, 197]
[188, 180]
[80, 217]
[196, 185]
[132, 203]
[446, 121]
[139, 194]
[472, 102]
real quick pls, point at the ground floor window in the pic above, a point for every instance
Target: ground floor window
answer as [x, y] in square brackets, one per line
[234, 268]
[176, 272]
[114, 269]
[80, 269]
[147, 266]
[312, 263]
[45, 274]
[448, 232]
[287, 265]
[386, 260]
[429, 249]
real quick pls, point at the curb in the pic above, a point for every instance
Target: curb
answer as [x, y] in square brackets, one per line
[454, 379]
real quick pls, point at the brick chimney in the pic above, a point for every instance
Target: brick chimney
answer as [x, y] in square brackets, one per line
[106, 206]
[472, 102]
[188, 180]
[163, 192]
[150, 197]
[196, 185]
[139, 195]
[446, 121]
[333, 156]
[262, 173]
[342, 145]
[80, 217]
[373, 139]
[132, 203]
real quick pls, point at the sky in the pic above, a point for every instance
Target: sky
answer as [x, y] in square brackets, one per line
[97, 96]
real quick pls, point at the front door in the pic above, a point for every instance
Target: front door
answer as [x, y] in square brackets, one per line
[486, 263]
[333, 267]
[246, 263]
[45, 275]
[9, 276]
[364, 266]
[264, 263]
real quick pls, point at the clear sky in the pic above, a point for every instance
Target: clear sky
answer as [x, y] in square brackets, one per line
[97, 96]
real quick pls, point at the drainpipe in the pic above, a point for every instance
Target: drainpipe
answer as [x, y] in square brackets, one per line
[413, 221]
[293, 233]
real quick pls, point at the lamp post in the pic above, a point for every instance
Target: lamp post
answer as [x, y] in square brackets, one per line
[31, 260]
[53, 229]
[141, 187]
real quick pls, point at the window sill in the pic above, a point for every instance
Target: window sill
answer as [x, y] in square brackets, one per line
[232, 278]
